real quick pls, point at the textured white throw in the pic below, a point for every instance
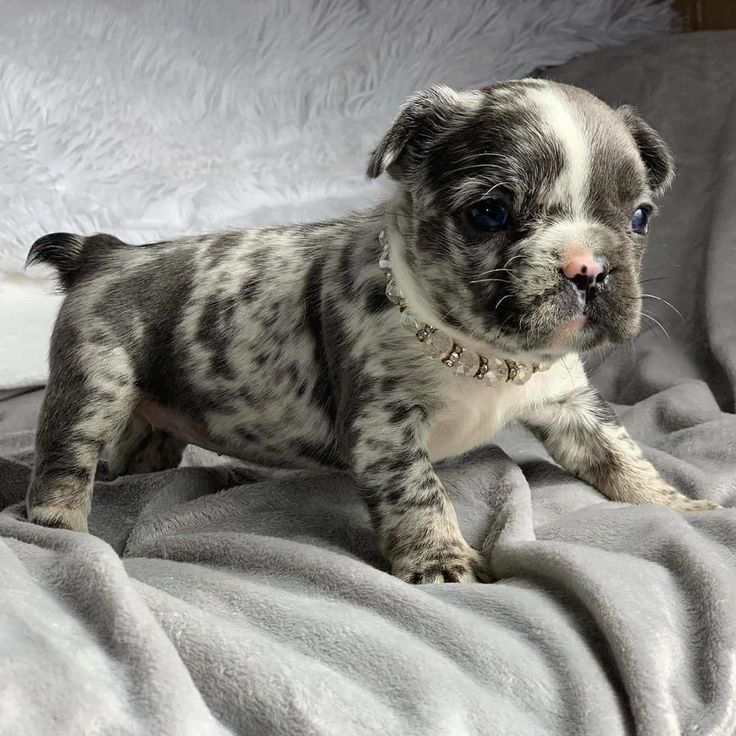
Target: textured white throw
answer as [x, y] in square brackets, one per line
[150, 119]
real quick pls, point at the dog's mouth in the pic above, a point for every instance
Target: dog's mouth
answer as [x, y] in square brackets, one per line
[568, 332]
[566, 321]
[603, 319]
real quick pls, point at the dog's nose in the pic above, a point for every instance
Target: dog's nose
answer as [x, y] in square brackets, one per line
[586, 273]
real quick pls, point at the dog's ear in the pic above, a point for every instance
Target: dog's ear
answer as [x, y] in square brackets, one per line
[421, 120]
[653, 150]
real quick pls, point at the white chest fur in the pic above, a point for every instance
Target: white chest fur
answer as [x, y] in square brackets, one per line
[473, 412]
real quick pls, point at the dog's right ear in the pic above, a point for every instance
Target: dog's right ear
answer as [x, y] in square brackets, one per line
[420, 122]
[653, 150]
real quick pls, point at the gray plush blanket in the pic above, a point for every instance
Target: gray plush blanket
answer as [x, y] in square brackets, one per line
[216, 599]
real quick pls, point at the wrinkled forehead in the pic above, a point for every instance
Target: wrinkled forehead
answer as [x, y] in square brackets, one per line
[555, 146]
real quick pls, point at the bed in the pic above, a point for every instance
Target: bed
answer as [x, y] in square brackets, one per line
[223, 598]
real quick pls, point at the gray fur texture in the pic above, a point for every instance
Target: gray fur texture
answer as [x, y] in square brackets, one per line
[279, 345]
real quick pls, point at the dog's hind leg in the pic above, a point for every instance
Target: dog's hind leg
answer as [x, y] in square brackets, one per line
[89, 398]
[143, 449]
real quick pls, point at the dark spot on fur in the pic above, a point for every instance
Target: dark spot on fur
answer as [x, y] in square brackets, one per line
[246, 394]
[247, 434]
[216, 331]
[221, 247]
[313, 303]
[325, 454]
[54, 522]
[62, 472]
[376, 300]
[250, 289]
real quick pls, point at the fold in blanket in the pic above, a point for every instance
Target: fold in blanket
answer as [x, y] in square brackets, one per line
[217, 598]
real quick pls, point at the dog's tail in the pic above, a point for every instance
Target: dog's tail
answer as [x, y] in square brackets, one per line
[68, 253]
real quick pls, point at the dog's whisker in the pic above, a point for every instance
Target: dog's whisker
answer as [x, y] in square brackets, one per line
[569, 372]
[493, 270]
[448, 313]
[483, 155]
[664, 301]
[469, 167]
[500, 300]
[521, 322]
[484, 281]
[513, 258]
[503, 268]
[646, 315]
[496, 186]
[500, 328]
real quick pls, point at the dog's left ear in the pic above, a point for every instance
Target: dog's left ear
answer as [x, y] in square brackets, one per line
[654, 151]
[420, 122]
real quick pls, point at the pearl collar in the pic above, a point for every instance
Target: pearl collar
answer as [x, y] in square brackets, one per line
[492, 371]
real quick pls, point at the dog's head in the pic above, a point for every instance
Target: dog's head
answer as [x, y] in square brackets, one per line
[523, 213]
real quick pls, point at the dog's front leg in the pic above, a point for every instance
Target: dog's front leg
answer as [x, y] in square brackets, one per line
[414, 519]
[583, 435]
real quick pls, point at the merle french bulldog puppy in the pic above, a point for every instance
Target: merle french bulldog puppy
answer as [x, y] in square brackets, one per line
[383, 341]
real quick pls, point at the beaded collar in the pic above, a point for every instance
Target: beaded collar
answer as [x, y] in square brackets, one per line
[440, 346]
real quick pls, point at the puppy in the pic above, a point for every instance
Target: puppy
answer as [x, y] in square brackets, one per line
[383, 341]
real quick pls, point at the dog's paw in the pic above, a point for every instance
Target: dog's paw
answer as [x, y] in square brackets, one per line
[663, 494]
[683, 503]
[463, 565]
[58, 517]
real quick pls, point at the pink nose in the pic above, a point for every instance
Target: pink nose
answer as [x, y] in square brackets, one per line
[585, 272]
[590, 267]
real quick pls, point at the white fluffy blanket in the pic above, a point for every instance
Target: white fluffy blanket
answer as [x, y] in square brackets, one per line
[150, 119]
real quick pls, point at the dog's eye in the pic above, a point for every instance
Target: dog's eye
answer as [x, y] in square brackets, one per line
[489, 215]
[639, 221]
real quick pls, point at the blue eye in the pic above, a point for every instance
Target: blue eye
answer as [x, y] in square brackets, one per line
[489, 215]
[639, 221]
